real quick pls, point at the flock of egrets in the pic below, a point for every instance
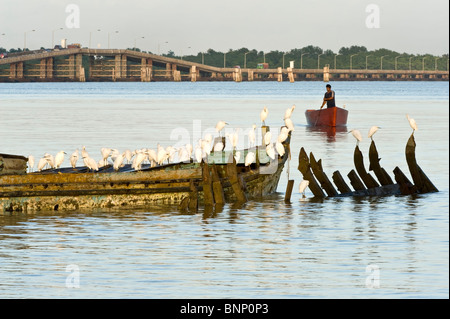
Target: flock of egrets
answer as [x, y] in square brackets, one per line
[163, 155]
[187, 152]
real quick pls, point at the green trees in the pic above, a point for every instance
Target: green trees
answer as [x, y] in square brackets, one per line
[313, 57]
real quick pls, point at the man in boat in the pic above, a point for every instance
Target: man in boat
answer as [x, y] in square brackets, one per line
[328, 98]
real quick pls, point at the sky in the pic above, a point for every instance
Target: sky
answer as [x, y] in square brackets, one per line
[191, 26]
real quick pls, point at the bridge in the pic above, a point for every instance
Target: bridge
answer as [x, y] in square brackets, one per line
[80, 64]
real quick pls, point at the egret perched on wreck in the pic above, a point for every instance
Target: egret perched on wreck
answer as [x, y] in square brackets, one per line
[220, 125]
[288, 112]
[264, 114]
[74, 158]
[249, 158]
[218, 147]
[280, 148]
[84, 153]
[233, 138]
[270, 151]
[267, 138]
[41, 164]
[90, 163]
[357, 135]
[412, 123]
[252, 135]
[118, 163]
[372, 131]
[30, 163]
[50, 160]
[59, 159]
[289, 124]
[237, 156]
[302, 188]
[106, 152]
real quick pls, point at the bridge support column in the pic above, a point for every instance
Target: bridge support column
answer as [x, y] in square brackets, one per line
[146, 70]
[290, 75]
[12, 70]
[250, 75]
[279, 74]
[71, 66]
[237, 75]
[123, 71]
[193, 73]
[78, 66]
[49, 68]
[43, 69]
[169, 71]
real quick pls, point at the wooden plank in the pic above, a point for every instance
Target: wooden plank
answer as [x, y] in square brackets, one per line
[236, 183]
[356, 181]
[321, 176]
[381, 174]
[340, 183]
[421, 181]
[219, 196]
[193, 197]
[406, 187]
[358, 160]
[304, 168]
[289, 187]
[207, 185]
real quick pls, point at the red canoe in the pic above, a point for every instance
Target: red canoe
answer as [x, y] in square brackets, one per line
[334, 116]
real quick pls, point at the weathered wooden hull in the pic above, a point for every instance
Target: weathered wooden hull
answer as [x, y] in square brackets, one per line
[71, 189]
[334, 116]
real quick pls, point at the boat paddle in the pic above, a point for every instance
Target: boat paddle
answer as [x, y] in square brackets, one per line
[318, 116]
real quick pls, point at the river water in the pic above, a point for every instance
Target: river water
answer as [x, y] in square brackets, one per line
[385, 247]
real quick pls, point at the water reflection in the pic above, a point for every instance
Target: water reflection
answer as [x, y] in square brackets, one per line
[330, 132]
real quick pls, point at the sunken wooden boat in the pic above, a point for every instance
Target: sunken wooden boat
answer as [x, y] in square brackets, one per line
[216, 180]
[333, 116]
[362, 182]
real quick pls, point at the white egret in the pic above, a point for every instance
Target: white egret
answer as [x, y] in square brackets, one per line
[280, 148]
[270, 151]
[289, 124]
[30, 163]
[218, 147]
[206, 146]
[372, 131]
[288, 112]
[74, 158]
[357, 135]
[128, 156]
[90, 163]
[252, 135]
[237, 156]
[249, 158]
[50, 160]
[198, 154]
[84, 153]
[184, 156]
[139, 159]
[412, 123]
[170, 150]
[152, 157]
[161, 155]
[118, 163]
[303, 184]
[264, 114]
[189, 149]
[220, 125]
[267, 138]
[105, 154]
[283, 135]
[114, 154]
[59, 159]
[234, 138]
[41, 164]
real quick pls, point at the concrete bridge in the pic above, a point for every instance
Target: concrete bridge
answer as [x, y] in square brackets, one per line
[128, 65]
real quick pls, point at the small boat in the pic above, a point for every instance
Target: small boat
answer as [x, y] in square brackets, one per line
[77, 188]
[334, 116]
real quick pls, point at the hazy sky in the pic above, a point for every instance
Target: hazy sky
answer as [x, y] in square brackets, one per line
[191, 26]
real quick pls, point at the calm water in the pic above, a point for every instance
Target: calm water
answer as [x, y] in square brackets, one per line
[264, 249]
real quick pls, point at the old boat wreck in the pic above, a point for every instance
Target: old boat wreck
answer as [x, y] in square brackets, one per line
[217, 180]
[361, 181]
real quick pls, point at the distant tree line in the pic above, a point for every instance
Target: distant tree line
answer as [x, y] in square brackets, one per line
[313, 57]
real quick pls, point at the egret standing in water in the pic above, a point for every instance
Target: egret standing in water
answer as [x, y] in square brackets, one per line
[412, 123]
[302, 188]
[263, 115]
[357, 135]
[372, 131]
